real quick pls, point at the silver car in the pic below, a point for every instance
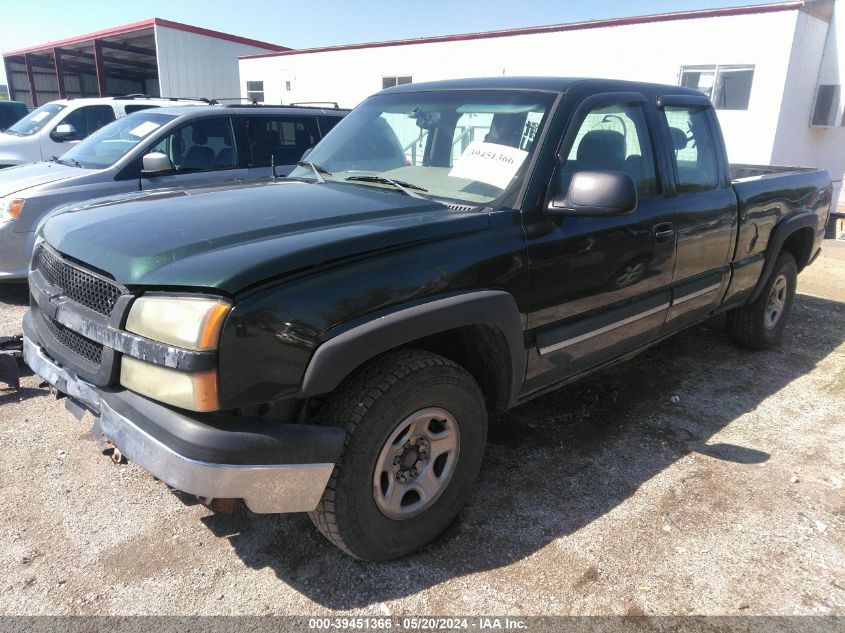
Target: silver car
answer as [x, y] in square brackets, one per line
[178, 147]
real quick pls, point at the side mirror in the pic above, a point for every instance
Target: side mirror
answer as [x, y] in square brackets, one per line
[305, 153]
[596, 193]
[63, 132]
[156, 164]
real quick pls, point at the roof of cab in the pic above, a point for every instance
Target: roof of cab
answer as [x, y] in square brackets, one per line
[552, 84]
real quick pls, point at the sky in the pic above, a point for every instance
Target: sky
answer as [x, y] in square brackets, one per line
[305, 24]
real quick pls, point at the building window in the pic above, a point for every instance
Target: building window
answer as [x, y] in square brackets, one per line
[728, 87]
[397, 80]
[255, 91]
[826, 108]
[287, 86]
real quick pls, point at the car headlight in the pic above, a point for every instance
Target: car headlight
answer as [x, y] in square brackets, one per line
[10, 208]
[190, 322]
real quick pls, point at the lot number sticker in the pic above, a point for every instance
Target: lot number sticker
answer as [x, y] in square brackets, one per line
[145, 128]
[489, 162]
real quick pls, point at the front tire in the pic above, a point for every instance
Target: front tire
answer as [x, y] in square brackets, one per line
[416, 428]
[760, 325]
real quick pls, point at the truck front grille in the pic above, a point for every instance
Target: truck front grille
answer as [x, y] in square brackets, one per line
[77, 285]
[76, 343]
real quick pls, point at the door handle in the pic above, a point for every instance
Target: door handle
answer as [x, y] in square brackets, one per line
[664, 231]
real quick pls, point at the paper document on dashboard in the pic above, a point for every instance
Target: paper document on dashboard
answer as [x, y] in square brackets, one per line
[489, 163]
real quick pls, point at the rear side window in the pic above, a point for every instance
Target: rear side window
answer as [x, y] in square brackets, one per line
[137, 108]
[89, 119]
[693, 148]
[284, 139]
[616, 138]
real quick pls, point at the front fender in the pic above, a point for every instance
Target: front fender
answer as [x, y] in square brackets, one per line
[345, 350]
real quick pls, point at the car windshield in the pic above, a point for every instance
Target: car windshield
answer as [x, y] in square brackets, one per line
[35, 120]
[462, 145]
[109, 144]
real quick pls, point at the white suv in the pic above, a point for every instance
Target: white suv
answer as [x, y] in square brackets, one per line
[55, 127]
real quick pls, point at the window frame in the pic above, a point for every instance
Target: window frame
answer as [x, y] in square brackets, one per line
[396, 81]
[178, 130]
[693, 103]
[249, 93]
[245, 156]
[716, 70]
[604, 99]
[84, 110]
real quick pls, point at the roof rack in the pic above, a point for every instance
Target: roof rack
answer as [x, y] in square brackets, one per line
[217, 101]
[132, 97]
[315, 104]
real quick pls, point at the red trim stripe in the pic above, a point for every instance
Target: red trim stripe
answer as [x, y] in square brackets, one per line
[134, 27]
[552, 28]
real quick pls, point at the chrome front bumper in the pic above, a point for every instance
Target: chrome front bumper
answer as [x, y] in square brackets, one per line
[264, 488]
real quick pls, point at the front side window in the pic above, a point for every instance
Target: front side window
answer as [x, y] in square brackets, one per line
[111, 143]
[35, 120]
[728, 87]
[615, 138]
[694, 148]
[88, 119]
[463, 145]
[255, 91]
[203, 145]
[281, 139]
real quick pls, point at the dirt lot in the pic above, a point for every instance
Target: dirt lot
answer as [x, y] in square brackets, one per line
[697, 478]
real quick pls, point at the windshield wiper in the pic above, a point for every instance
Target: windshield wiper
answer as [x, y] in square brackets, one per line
[318, 171]
[401, 185]
[12, 132]
[72, 162]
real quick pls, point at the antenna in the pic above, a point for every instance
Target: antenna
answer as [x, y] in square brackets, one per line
[273, 165]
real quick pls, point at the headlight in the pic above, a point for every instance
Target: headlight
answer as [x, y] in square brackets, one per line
[195, 391]
[189, 322]
[10, 208]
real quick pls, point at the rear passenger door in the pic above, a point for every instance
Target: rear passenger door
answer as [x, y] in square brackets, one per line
[599, 286]
[706, 211]
[277, 139]
[202, 151]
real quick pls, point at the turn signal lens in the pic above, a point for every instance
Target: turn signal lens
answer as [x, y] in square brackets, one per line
[11, 209]
[195, 391]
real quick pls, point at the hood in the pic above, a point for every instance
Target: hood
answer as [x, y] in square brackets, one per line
[15, 179]
[233, 238]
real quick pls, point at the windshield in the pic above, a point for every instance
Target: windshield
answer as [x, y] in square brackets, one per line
[35, 120]
[110, 143]
[467, 146]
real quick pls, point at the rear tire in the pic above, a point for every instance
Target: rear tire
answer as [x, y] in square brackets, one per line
[760, 324]
[416, 427]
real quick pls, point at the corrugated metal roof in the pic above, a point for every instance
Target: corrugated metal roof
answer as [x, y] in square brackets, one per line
[134, 27]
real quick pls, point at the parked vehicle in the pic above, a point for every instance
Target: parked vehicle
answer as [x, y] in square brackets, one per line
[55, 127]
[184, 147]
[11, 112]
[333, 342]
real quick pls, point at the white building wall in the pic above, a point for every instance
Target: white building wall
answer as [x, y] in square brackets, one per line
[651, 52]
[796, 142]
[194, 65]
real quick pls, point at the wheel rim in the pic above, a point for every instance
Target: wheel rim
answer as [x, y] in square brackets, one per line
[777, 301]
[416, 463]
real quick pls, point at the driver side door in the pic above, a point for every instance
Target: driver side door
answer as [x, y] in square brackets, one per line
[599, 286]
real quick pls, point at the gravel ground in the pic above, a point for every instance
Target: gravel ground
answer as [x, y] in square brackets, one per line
[694, 479]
